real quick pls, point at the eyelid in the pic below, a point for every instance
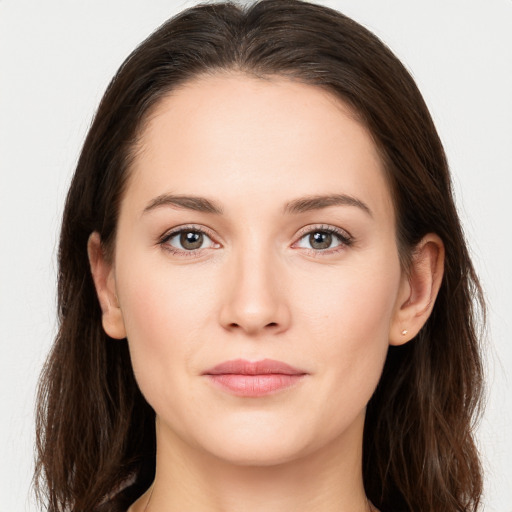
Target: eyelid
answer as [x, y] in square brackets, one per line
[343, 235]
[345, 238]
[162, 241]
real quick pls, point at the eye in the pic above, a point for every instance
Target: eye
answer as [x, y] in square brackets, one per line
[324, 239]
[187, 240]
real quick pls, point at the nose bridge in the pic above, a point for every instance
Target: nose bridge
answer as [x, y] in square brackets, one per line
[255, 298]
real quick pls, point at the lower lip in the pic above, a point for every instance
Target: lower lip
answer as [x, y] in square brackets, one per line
[254, 385]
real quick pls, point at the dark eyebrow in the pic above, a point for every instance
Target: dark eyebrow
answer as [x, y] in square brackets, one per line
[307, 203]
[200, 204]
[301, 205]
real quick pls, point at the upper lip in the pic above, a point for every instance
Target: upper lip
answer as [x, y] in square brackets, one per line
[263, 367]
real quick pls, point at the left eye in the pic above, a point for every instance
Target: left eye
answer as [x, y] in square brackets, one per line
[320, 240]
[189, 240]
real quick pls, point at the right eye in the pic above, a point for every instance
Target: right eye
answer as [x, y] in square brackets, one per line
[187, 240]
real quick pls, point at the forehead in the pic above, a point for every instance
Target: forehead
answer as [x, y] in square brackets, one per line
[217, 133]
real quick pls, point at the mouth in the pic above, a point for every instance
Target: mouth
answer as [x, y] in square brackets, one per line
[254, 379]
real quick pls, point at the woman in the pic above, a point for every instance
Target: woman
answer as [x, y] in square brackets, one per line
[266, 300]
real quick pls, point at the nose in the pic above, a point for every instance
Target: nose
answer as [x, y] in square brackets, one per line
[254, 300]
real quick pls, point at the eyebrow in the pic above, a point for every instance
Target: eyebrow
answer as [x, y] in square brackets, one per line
[305, 204]
[300, 205]
[199, 204]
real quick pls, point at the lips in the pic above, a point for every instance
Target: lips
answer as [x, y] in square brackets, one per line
[254, 379]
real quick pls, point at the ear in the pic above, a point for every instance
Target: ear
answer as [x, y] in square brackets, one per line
[105, 283]
[418, 290]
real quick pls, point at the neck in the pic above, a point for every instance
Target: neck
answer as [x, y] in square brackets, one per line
[188, 479]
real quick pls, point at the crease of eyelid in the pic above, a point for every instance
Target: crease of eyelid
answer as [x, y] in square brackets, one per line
[176, 231]
[300, 205]
[164, 243]
[345, 239]
[343, 234]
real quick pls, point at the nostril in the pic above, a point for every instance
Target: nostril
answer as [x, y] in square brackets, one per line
[234, 325]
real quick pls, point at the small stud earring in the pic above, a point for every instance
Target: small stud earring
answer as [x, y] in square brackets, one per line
[404, 332]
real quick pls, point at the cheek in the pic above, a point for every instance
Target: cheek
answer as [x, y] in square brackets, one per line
[349, 325]
[164, 315]
[354, 303]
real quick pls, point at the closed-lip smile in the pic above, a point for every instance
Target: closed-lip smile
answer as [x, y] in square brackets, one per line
[254, 378]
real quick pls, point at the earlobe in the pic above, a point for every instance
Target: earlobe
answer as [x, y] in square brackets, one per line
[419, 290]
[105, 284]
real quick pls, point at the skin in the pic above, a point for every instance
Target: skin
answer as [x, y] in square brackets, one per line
[258, 289]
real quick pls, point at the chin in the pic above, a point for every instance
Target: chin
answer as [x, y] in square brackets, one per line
[259, 444]
[252, 454]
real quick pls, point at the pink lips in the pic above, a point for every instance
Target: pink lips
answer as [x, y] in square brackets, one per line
[254, 379]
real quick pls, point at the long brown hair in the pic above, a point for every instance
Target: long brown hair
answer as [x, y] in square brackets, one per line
[95, 431]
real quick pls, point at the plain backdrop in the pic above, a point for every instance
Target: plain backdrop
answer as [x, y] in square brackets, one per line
[56, 58]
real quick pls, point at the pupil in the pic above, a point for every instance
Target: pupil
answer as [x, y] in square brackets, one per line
[191, 240]
[320, 240]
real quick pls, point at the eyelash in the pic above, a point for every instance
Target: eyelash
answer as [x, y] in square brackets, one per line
[345, 239]
[184, 229]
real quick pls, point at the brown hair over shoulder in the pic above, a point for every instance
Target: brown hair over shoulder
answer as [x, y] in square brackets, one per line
[95, 431]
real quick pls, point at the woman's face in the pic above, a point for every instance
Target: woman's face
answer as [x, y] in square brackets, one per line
[257, 225]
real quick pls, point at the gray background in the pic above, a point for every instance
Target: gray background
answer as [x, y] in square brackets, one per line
[56, 58]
